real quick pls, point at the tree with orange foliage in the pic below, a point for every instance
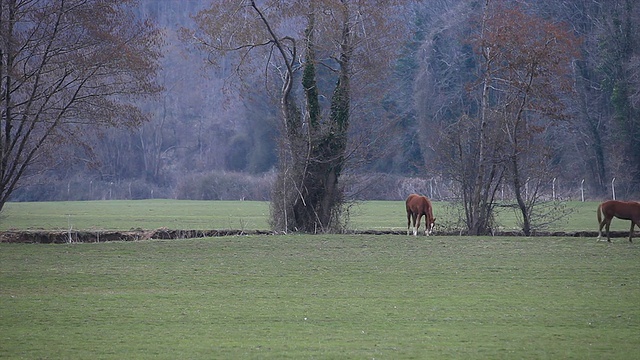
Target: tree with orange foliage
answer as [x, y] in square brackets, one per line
[526, 66]
[503, 140]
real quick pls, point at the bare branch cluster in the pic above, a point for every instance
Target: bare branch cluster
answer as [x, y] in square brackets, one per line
[65, 64]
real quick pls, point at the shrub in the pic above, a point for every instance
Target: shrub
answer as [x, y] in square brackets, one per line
[222, 185]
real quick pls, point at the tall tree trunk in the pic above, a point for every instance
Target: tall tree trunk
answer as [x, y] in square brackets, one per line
[522, 202]
[479, 210]
[309, 182]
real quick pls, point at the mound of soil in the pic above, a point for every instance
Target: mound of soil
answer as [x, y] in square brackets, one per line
[61, 237]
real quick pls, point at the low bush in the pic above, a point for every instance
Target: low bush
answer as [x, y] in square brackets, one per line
[224, 186]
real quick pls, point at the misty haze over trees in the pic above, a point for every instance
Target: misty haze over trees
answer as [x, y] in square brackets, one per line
[210, 136]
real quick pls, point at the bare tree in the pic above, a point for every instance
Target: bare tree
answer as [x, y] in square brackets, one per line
[66, 64]
[527, 60]
[522, 67]
[467, 148]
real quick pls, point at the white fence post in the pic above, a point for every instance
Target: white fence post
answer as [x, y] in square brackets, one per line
[431, 188]
[613, 188]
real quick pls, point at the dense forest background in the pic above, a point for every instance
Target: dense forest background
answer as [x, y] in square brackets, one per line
[213, 137]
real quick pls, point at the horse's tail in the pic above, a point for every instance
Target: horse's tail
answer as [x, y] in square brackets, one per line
[599, 214]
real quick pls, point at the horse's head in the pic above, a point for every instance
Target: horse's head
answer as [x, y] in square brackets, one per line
[431, 223]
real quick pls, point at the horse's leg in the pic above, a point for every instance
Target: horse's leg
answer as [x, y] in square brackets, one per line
[599, 217]
[408, 222]
[601, 223]
[426, 225]
[607, 224]
[415, 231]
[633, 224]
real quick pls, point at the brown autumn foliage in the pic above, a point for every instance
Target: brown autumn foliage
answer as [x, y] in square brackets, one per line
[524, 64]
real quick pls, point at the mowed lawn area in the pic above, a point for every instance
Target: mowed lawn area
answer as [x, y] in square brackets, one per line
[322, 297]
[310, 296]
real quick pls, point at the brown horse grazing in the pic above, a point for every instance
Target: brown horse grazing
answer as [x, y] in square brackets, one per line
[418, 206]
[625, 210]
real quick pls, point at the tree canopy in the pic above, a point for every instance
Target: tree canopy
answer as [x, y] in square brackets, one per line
[66, 64]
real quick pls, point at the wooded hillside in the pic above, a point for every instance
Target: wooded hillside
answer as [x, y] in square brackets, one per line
[213, 131]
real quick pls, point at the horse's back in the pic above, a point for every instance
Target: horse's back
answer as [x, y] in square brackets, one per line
[626, 210]
[409, 202]
[412, 200]
[418, 204]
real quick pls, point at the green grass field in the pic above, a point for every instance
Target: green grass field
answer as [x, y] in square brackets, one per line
[243, 215]
[126, 215]
[327, 297]
[310, 296]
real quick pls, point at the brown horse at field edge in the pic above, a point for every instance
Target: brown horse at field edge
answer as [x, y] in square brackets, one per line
[418, 206]
[625, 210]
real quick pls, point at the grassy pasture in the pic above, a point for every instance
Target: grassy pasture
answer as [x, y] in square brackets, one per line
[324, 296]
[132, 214]
[382, 215]
[245, 215]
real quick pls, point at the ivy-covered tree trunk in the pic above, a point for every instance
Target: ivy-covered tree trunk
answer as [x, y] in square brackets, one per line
[307, 195]
[339, 38]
